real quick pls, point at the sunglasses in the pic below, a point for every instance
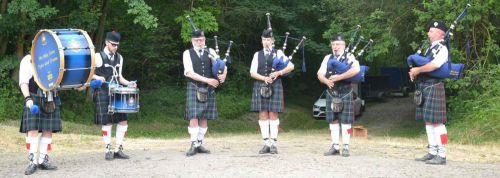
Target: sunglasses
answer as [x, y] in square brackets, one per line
[114, 44]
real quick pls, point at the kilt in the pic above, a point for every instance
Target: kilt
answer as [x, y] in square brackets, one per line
[199, 110]
[274, 103]
[41, 121]
[101, 116]
[433, 108]
[346, 116]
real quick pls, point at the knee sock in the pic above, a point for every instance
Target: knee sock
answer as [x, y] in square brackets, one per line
[346, 134]
[335, 133]
[441, 138]
[431, 139]
[264, 130]
[45, 147]
[201, 134]
[193, 132]
[32, 147]
[121, 131]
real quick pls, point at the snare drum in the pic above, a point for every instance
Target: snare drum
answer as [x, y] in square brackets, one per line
[62, 58]
[123, 100]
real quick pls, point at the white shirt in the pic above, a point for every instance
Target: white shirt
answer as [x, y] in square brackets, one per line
[25, 70]
[442, 56]
[323, 68]
[186, 59]
[98, 60]
[255, 60]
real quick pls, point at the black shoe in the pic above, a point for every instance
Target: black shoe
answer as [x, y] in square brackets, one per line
[345, 152]
[120, 155]
[437, 160]
[192, 150]
[426, 157]
[273, 150]
[30, 169]
[332, 151]
[45, 165]
[202, 149]
[265, 149]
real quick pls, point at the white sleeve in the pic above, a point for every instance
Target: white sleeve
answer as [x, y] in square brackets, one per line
[98, 60]
[213, 53]
[25, 70]
[255, 63]
[186, 61]
[121, 67]
[441, 57]
[322, 68]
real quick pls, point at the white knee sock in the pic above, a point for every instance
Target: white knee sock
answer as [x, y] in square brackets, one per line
[193, 132]
[441, 139]
[431, 139]
[273, 128]
[346, 133]
[121, 130]
[201, 134]
[264, 130]
[32, 146]
[335, 133]
[106, 133]
[45, 147]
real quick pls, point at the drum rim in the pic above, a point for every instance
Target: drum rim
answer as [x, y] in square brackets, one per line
[92, 55]
[125, 90]
[61, 59]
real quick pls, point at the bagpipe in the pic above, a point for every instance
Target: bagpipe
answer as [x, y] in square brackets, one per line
[340, 66]
[280, 63]
[218, 64]
[448, 70]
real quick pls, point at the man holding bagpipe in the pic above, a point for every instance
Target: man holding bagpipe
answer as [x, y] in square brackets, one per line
[34, 121]
[430, 94]
[267, 92]
[339, 100]
[201, 103]
[109, 62]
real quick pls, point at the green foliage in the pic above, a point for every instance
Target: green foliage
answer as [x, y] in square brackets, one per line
[11, 97]
[202, 19]
[475, 109]
[31, 8]
[142, 12]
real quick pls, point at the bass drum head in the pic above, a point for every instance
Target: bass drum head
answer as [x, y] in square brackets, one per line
[47, 58]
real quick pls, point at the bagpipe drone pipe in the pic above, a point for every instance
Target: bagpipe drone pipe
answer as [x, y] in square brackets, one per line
[218, 64]
[447, 70]
[335, 66]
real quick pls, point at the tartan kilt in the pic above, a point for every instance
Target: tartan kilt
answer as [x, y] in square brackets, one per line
[41, 121]
[346, 116]
[101, 116]
[433, 108]
[274, 103]
[199, 110]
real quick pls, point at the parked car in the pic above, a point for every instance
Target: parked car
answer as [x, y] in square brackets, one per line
[319, 107]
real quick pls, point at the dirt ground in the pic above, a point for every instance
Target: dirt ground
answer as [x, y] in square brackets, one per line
[300, 155]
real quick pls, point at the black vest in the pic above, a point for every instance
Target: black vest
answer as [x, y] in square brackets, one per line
[265, 65]
[107, 72]
[33, 87]
[423, 77]
[202, 66]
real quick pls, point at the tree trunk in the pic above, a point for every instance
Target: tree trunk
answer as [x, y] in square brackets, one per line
[4, 39]
[100, 29]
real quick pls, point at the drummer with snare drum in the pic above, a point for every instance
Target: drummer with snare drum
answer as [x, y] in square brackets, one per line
[109, 65]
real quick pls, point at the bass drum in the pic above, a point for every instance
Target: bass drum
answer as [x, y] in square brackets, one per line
[62, 58]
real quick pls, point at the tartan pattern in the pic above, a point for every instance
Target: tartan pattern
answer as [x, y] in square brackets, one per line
[41, 121]
[346, 116]
[433, 108]
[198, 110]
[101, 116]
[274, 103]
